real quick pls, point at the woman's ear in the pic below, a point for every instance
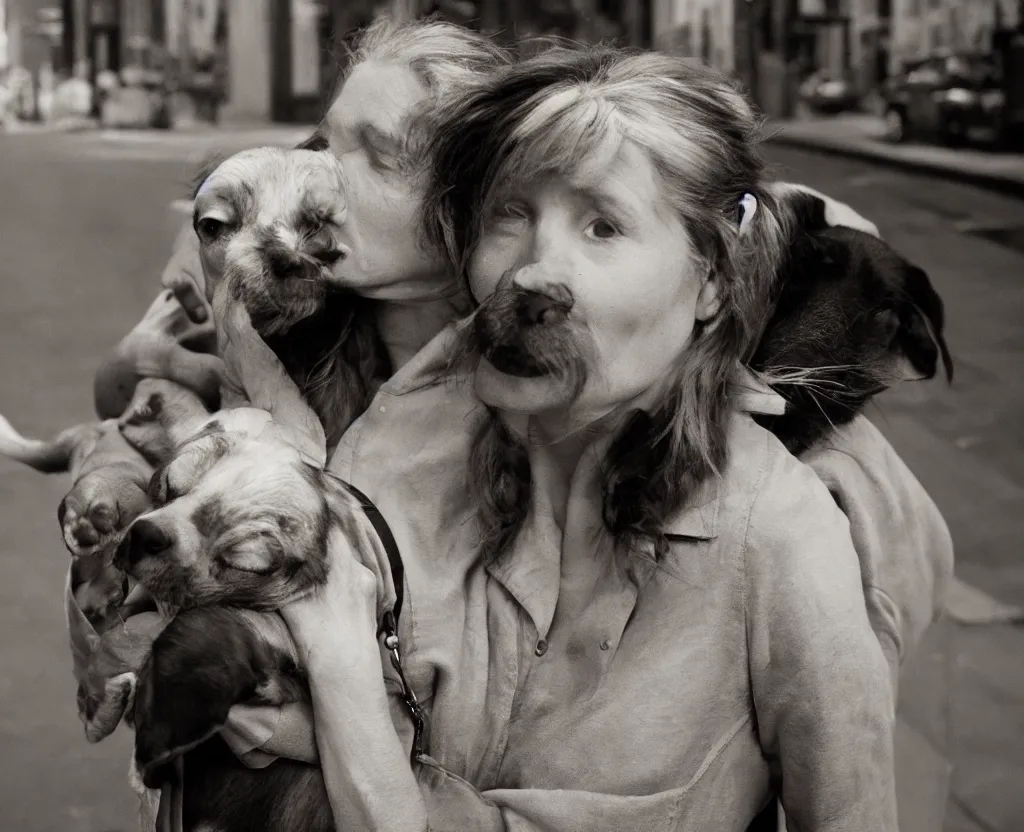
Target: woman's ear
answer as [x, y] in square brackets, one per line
[708, 302]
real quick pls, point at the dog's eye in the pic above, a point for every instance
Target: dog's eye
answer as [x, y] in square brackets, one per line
[210, 228]
[157, 487]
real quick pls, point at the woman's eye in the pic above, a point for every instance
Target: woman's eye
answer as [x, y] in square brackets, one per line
[602, 229]
[511, 210]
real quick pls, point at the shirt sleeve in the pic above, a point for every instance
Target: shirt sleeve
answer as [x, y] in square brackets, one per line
[902, 542]
[825, 713]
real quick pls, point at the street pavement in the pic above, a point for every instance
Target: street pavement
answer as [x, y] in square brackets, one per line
[85, 226]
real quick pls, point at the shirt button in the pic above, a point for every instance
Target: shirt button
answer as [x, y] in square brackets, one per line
[383, 408]
[542, 648]
[605, 644]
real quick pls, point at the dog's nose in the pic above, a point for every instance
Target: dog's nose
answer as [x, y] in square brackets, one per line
[286, 263]
[541, 309]
[144, 538]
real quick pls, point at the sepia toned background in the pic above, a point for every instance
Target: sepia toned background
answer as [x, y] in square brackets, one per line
[909, 110]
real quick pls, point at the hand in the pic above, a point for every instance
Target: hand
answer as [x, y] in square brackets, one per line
[156, 348]
[183, 276]
[338, 614]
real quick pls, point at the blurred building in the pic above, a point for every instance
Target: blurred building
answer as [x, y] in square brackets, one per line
[704, 29]
[274, 59]
[772, 45]
[920, 27]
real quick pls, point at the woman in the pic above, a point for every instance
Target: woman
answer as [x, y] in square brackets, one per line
[386, 109]
[415, 505]
[648, 610]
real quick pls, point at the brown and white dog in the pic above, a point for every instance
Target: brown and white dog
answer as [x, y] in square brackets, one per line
[267, 222]
[110, 477]
[240, 527]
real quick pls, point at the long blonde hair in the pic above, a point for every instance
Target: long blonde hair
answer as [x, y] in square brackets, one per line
[566, 111]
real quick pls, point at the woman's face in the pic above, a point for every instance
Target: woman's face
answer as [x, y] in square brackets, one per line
[366, 131]
[614, 247]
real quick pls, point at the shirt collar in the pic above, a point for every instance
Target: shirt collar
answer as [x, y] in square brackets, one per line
[698, 519]
[427, 367]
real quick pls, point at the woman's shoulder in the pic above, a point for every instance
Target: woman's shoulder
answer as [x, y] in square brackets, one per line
[768, 495]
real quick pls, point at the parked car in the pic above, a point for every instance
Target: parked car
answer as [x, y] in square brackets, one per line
[955, 99]
[824, 92]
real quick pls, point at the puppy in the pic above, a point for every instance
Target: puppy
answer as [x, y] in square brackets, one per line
[268, 222]
[240, 526]
[850, 318]
[110, 480]
[109, 491]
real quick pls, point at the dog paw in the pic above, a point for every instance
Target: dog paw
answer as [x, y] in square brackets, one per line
[98, 509]
[99, 588]
[102, 714]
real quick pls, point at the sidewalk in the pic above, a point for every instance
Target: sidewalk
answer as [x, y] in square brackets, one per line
[861, 136]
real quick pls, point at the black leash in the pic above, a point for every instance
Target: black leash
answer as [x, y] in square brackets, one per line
[389, 620]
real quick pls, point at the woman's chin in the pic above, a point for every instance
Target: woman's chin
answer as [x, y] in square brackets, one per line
[518, 394]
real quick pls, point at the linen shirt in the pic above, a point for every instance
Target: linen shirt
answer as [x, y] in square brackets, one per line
[575, 686]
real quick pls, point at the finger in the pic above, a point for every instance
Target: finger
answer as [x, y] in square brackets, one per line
[183, 275]
[190, 298]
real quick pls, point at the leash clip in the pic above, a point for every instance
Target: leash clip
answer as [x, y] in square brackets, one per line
[389, 629]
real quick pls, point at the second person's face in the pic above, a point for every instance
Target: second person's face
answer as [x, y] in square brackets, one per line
[367, 124]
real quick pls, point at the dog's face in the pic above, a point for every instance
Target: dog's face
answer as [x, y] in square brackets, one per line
[268, 222]
[239, 519]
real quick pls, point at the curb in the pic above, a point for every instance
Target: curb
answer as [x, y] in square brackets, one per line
[979, 179]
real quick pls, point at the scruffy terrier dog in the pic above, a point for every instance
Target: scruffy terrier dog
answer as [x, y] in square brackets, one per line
[266, 220]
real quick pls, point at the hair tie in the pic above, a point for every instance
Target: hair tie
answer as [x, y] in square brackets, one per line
[748, 207]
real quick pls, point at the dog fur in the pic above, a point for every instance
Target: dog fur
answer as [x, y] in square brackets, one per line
[266, 220]
[851, 317]
[225, 547]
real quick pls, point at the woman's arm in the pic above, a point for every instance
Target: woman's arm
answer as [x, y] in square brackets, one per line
[825, 710]
[902, 542]
[369, 779]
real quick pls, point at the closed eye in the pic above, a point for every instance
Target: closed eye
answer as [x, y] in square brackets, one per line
[510, 209]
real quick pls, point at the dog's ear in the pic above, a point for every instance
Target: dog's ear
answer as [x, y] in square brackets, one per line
[204, 171]
[202, 664]
[317, 142]
[919, 339]
[808, 211]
